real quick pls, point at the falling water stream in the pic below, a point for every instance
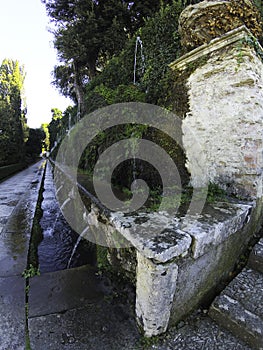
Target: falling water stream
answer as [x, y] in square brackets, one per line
[81, 236]
[137, 43]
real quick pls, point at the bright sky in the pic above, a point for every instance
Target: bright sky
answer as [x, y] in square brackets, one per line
[24, 37]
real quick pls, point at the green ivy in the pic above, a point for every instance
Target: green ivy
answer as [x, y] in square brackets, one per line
[31, 271]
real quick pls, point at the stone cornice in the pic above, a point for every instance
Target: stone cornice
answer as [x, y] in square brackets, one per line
[227, 39]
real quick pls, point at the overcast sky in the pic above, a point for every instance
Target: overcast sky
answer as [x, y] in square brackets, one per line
[24, 37]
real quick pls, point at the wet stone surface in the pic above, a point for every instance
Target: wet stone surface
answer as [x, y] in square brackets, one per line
[99, 326]
[78, 309]
[109, 326]
[17, 204]
[17, 221]
[12, 317]
[59, 291]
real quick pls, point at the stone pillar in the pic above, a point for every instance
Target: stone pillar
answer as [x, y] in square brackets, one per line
[155, 289]
[225, 92]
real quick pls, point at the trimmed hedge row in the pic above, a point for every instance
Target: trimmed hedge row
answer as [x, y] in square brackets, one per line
[8, 170]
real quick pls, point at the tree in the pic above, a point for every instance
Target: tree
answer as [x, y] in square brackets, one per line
[34, 144]
[55, 126]
[46, 141]
[88, 33]
[160, 46]
[12, 110]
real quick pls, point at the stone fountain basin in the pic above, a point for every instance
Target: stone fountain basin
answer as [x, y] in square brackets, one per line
[177, 262]
[180, 261]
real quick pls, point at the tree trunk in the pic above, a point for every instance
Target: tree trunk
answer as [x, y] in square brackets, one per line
[79, 91]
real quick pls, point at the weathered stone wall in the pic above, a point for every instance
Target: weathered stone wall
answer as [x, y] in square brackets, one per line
[226, 119]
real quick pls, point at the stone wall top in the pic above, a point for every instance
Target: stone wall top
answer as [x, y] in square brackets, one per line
[233, 37]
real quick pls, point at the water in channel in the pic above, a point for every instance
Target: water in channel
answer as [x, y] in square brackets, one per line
[61, 247]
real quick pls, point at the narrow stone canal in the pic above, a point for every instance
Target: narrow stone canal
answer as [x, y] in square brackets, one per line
[60, 247]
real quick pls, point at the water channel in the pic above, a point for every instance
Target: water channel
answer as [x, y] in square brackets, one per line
[61, 247]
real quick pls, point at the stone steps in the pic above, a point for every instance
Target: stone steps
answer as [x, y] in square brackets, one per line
[239, 308]
[255, 260]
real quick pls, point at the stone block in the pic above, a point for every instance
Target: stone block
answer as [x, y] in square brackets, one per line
[255, 260]
[239, 308]
[215, 225]
[155, 288]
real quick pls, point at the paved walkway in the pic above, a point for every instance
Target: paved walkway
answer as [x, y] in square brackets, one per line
[18, 198]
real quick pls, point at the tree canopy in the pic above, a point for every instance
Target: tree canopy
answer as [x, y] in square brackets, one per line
[13, 128]
[88, 33]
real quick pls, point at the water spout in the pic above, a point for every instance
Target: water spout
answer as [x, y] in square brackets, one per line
[138, 41]
[76, 245]
[133, 169]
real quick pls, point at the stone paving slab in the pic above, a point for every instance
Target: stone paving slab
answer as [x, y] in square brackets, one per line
[63, 290]
[18, 197]
[6, 210]
[66, 315]
[12, 313]
[13, 256]
[239, 308]
[229, 313]
[16, 229]
[101, 325]
[201, 333]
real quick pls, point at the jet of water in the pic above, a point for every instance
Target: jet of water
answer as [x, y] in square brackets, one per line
[138, 42]
[76, 245]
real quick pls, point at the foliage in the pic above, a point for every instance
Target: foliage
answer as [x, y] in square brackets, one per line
[34, 143]
[105, 139]
[84, 30]
[160, 41]
[259, 5]
[64, 80]
[55, 126]
[13, 128]
[90, 32]
[160, 45]
[102, 260]
[215, 193]
[60, 124]
[46, 141]
[31, 271]
[102, 96]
